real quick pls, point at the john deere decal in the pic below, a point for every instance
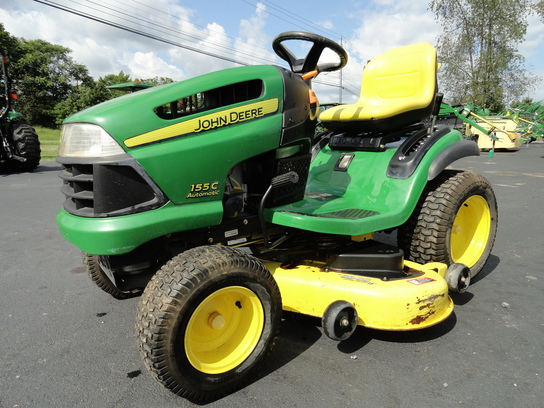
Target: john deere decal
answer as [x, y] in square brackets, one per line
[207, 122]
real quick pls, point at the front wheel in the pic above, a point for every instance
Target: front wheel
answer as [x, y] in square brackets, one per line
[206, 320]
[91, 264]
[455, 221]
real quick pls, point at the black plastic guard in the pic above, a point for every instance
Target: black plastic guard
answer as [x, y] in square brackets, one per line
[453, 152]
[371, 259]
[410, 153]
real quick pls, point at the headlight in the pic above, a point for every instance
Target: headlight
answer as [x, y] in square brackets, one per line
[87, 140]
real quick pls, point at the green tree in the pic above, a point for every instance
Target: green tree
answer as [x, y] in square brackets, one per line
[538, 7]
[89, 93]
[81, 97]
[45, 75]
[8, 43]
[478, 49]
[9, 46]
[113, 79]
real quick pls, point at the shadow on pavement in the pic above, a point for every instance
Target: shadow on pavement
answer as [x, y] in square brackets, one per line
[492, 264]
[297, 334]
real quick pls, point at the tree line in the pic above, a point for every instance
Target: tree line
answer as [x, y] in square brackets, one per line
[51, 85]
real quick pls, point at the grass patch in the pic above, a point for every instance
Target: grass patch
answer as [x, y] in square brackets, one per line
[49, 142]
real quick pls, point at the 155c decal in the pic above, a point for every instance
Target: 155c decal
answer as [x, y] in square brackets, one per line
[199, 190]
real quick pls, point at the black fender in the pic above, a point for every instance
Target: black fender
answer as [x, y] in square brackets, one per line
[453, 152]
[411, 152]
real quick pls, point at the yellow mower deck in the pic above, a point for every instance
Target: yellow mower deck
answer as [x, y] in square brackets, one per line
[420, 300]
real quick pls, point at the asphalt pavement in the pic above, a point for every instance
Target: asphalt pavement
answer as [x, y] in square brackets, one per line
[65, 343]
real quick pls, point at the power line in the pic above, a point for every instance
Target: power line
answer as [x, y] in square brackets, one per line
[135, 31]
[197, 25]
[295, 17]
[160, 28]
[365, 57]
[306, 22]
[167, 30]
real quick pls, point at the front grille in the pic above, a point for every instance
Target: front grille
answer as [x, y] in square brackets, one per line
[78, 189]
[104, 189]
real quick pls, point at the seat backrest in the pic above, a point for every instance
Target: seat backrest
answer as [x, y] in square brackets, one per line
[398, 89]
[405, 77]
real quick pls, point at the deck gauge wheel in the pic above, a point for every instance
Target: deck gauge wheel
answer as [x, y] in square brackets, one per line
[339, 320]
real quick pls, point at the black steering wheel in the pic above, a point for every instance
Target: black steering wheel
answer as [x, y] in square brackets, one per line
[310, 61]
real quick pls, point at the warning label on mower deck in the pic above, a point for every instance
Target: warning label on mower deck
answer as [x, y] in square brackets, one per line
[421, 281]
[207, 122]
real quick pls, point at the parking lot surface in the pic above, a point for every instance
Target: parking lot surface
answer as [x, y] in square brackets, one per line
[65, 343]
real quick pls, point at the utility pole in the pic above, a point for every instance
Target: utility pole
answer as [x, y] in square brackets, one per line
[340, 88]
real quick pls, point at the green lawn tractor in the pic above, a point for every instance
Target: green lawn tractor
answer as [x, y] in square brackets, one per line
[214, 200]
[20, 148]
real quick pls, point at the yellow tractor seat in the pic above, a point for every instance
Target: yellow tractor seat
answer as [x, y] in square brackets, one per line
[398, 89]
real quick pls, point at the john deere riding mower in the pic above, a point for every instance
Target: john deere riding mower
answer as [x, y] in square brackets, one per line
[212, 199]
[20, 146]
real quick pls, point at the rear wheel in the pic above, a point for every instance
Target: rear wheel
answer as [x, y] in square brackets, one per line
[206, 320]
[455, 221]
[27, 144]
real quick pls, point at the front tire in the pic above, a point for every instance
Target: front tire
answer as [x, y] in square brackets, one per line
[97, 274]
[455, 221]
[206, 320]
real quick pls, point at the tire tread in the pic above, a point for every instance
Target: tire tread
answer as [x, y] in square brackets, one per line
[424, 237]
[163, 298]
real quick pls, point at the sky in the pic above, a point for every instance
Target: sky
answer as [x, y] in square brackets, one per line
[240, 30]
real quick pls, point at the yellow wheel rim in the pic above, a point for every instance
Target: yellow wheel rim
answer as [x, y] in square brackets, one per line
[470, 231]
[224, 330]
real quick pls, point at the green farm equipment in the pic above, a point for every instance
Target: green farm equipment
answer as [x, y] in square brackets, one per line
[214, 199]
[530, 122]
[20, 148]
[131, 86]
[490, 132]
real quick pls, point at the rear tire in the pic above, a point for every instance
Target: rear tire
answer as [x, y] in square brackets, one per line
[455, 221]
[206, 320]
[27, 144]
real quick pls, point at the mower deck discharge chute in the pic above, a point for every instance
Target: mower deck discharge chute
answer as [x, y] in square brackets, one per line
[216, 201]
